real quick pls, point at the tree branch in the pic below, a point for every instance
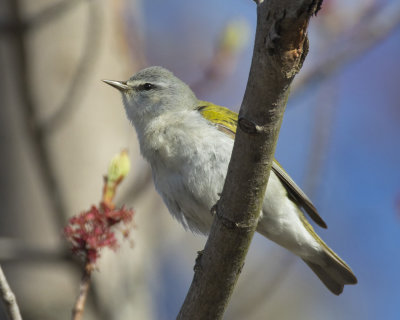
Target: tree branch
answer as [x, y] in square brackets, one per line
[280, 48]
[8, 298]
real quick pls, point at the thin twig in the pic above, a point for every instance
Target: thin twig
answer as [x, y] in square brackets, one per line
[79, 307]
[8, 298]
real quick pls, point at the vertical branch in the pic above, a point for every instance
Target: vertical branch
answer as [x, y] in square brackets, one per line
[280, 48]
[320, 144]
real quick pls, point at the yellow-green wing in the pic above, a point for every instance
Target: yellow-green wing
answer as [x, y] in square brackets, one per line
[226, 121]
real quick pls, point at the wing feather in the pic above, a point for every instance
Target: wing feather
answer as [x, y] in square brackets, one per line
[226, 121]
[299, 195]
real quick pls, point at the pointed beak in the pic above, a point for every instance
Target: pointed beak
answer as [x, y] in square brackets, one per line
[120, 85]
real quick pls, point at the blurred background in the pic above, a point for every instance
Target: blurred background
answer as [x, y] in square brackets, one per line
[60, 126]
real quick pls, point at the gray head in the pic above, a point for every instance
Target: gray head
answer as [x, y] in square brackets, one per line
[152, 92]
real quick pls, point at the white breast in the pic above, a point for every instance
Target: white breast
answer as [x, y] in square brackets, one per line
[189, 159]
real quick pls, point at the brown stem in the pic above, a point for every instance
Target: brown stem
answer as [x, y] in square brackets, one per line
[280, 48]
[79, 307]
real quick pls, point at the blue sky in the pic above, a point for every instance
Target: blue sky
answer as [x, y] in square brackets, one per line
[360, 177]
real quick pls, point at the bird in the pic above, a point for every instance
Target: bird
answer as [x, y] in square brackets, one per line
[188, 144]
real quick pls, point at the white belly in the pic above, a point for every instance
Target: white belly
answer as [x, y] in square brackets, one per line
[281, 221]
[189, 173]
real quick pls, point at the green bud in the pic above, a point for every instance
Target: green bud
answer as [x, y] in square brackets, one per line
[119, 166]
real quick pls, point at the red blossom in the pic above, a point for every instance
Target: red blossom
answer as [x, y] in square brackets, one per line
[90, 231]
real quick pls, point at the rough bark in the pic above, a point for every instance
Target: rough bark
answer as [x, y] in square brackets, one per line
[280, 48]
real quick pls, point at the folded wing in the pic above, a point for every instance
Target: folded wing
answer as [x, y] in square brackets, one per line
[225, 120]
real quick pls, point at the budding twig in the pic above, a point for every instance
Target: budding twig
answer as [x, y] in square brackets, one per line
[91, 231]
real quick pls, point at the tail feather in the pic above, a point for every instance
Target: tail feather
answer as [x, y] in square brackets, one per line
[326, 264]
[330, 269]
[333, 285]
[334, 274]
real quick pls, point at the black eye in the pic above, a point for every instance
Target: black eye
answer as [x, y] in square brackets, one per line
[148, 86]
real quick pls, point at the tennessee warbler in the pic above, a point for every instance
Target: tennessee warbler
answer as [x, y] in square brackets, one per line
[188, 143]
